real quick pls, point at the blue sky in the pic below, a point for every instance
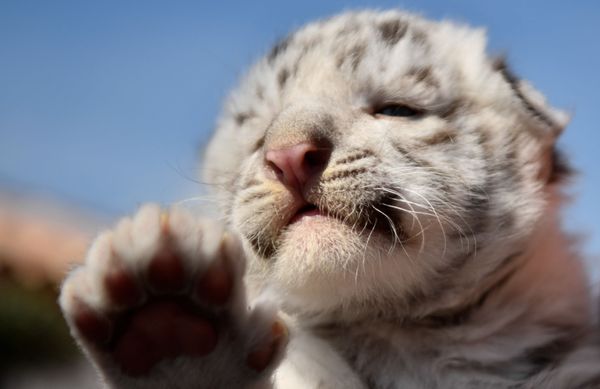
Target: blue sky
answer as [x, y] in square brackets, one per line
[106, 103]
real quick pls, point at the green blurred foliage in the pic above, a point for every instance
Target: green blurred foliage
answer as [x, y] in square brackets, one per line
[32, 329]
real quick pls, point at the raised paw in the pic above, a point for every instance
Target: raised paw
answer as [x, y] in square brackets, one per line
[160, 302]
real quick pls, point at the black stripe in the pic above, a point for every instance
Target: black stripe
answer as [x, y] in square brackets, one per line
[423, 75]
[392, 31]
[241, 117]
[279, 48]
[282, 77]
[552, 352]
[259, 144]
[362, 154]
[415, 161]
[561, 168]
[344, 174]
[501, 66]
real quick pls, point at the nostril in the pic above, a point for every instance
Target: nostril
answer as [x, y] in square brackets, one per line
[276, 169]
[316, 159]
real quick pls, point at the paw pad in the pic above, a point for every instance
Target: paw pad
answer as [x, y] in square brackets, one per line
[162, 287]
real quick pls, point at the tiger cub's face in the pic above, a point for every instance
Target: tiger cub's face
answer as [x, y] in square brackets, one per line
[381, 156]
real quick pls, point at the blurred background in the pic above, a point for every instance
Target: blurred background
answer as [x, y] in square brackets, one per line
[105, 105]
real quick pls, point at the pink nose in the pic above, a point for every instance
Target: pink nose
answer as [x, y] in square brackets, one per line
[295, 166]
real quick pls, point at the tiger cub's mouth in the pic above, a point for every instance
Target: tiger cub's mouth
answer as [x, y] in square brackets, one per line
[306, 211]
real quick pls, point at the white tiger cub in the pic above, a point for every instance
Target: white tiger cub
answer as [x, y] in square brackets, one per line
[395, 193]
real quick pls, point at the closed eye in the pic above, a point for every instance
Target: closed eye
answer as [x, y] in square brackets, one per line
[398, 110]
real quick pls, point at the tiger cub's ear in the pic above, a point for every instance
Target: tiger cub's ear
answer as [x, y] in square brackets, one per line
[548, 121]
[545, 121]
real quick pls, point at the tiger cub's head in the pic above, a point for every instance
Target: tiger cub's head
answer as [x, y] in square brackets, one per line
[382, 157]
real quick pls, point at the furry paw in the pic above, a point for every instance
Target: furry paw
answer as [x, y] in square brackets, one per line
[160, 303]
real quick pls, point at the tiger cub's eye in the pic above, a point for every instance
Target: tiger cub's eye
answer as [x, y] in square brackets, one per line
[398, 110]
